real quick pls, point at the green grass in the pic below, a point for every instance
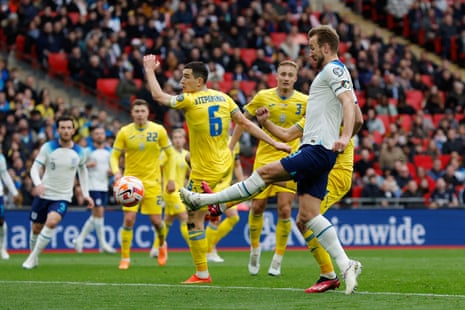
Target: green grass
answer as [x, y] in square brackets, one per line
[391, 279]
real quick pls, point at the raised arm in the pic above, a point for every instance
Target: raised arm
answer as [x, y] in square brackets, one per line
[151, 63]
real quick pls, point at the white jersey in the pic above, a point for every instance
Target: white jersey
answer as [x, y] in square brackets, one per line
[98, 175]
[5, 176]
[61, 165]
[324, 108]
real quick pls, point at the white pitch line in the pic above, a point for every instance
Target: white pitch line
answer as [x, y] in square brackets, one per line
[222, 287]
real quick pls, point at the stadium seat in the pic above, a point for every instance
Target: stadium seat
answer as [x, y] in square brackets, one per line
[107, 87]
[272, 82]
[248, 87]
[414, 98]
[386, 120]
[75, 17]
[427, 80]
[424, 161]
[405, 122]
[248, 55]
[445, 158]
[58, 65]
[437, 118]
[225, 86]
[277, 38]
[228, 76]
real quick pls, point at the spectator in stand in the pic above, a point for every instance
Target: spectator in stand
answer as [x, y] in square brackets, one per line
[433, 103]
[403, 176]
[126, 89]
[371, 189]
[261, 65]
[393, 89]
[76, 64]
[375, 88]
[384, 107]
[413, 196]
[455, 99]
[364, 163]
[450, 176]
[447, 30]
[290, 48]
[431, 149]
[454, 143]
[390, 152]
[443, 196]
[373, 123]
[436, 171]
[92, 72]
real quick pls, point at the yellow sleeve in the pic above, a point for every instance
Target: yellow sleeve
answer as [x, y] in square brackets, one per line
[170, 167]
[116, 151]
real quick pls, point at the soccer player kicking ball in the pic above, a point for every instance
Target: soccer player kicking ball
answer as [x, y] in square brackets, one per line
[339, 183]
[330, 105]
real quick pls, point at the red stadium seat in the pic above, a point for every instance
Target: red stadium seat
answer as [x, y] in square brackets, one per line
[427, 80]
[58, 64]
[248, 55]
[277, 38]
[248, 87]
[405, 122]
[445, 158]
[107, 87]
[424, 161]
[272, 81]
[75, 17]
[228, 76]
[414, 98]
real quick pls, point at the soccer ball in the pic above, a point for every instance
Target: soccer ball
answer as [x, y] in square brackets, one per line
[128, 191]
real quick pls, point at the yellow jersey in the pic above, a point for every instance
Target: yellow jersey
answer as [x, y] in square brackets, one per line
[284, 112]
[181, 168]
[208, 117]
[142, 148]
[344, 160]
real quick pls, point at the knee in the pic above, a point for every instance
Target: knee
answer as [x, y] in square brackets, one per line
[234, 219]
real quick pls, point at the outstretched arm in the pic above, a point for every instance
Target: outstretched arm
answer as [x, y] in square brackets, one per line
[151, 63]
[285, 134]
[257, 132]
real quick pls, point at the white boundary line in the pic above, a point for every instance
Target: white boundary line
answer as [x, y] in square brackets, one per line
[222, 287]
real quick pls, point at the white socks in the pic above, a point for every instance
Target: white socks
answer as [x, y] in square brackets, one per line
[43, 240]
[327, 237]
[98, 224]
[238, 191]
[32, 240]
[87, 228]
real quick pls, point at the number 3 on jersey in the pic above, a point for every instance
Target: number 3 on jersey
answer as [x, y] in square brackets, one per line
[216, 125]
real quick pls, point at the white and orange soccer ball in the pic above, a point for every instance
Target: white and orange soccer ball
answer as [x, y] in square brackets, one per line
[128, 191]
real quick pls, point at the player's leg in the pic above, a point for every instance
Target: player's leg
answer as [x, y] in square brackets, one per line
[88, 226]
[198, 244]
[98, 213]
[224, 228]
[129, 219]
[56, 212]
[268, 174]
[255, 221]
[153, 207]
[3, 231]
[283, 230]
[339, 183]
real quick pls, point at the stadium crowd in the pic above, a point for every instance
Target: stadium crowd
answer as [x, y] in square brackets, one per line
[413, 140]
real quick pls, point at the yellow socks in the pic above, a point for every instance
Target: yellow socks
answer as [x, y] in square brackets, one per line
[126, 240]
[283, 229]
[198, 246]
[319, 253]
[255, 227]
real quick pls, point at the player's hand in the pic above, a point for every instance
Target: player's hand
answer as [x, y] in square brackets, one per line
[89, 202]
[151, 62]
[170, 186]
[38, 190]
[340, 144]
[262, 114]
[281, 146]
[17, 199]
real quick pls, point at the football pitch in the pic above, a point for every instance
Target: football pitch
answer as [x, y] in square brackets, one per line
[391, 279]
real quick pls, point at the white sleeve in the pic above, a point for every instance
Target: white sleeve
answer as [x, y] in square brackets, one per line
[35, 173]
[9, 183]
[84, 180]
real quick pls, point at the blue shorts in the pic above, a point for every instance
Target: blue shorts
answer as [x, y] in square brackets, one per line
[2, 208]
[41, 208]
[100, 198]
[309, 167]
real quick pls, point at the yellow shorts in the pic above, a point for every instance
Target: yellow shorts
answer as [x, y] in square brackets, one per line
[152, 204]
[272, 190]
[339, 183]
[173, 204]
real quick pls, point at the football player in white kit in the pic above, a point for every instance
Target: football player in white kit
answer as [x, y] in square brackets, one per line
[61, 159]
[98, 165]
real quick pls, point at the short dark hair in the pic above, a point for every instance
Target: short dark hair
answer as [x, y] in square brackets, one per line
[140, 102]
[199, 69]
[64, 118]
[325, 34]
